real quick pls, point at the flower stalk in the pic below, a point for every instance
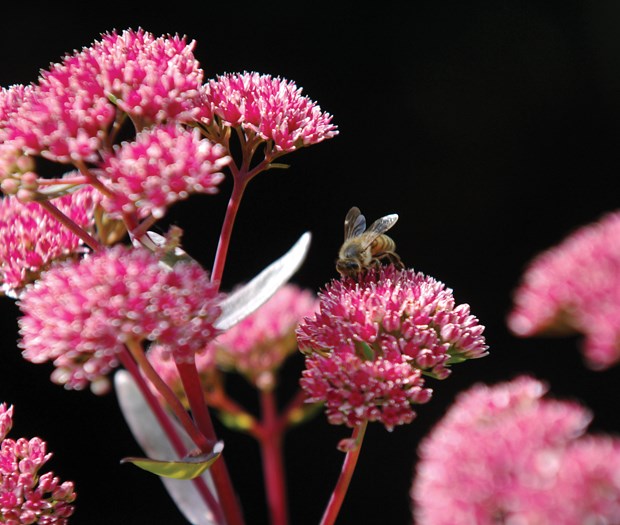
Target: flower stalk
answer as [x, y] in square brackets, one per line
[346, 474]
[271, 441]
[88, 239]
[170, 431]
[200, 412]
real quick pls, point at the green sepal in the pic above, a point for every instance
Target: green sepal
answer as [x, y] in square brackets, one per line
[365, 350]
[240, 422]
[303, 413]
[279, 165]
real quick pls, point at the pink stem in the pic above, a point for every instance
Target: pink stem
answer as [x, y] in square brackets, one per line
[219, 471]
[164, 421]
[270, 439]
[71, 225]
[342, 485]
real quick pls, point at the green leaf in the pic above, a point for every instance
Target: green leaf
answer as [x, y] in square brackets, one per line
[188, 468]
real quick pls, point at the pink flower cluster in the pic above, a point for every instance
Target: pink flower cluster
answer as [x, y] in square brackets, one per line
[257, 346]
[371, 339]
[151, 79]
[575, 287]
[66, 115]
[30, 238]
[63, 117]
[506, 454]
[81, 314]
[26, 496]
[270, 107]
[161, 166]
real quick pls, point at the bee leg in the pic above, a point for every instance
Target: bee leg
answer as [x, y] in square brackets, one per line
[393, 258]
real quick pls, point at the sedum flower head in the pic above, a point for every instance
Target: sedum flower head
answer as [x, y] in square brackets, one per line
[161, 166]
[67, 114]
[30, 238]
[151, 79]
[26, 496]
[79, 315]
[258, 345]
[575, 287]
[371, 339]
[506, 454]
[270, 107]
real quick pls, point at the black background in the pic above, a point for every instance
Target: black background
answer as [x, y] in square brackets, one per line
[491, 128]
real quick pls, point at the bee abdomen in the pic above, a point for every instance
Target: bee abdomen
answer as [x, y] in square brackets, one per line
[382, 244]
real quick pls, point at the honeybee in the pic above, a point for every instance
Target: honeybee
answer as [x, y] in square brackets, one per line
[366, 248]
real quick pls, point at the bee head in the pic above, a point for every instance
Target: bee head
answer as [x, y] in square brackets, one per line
[348, 267]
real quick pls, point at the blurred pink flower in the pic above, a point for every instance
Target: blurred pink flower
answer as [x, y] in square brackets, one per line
[258, 345]
[25, 495]
[80, 314]
[371, 339]
[160, 167]
[30, 238]
[506, 454]
[10, 100]
[151, 79]
[270, 107]
[575, 287]
[163, 362]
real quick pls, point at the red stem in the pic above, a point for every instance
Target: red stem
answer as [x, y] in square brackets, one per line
[219, 471]
[239, 184]
[342, 485]
[294, 404]
[92, 179]
[164, 421]
[175, 405]
[71, 225]
[241, 177]
[270, 439]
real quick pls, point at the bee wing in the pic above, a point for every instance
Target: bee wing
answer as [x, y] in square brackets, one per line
[354, 223]
[379, 227]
